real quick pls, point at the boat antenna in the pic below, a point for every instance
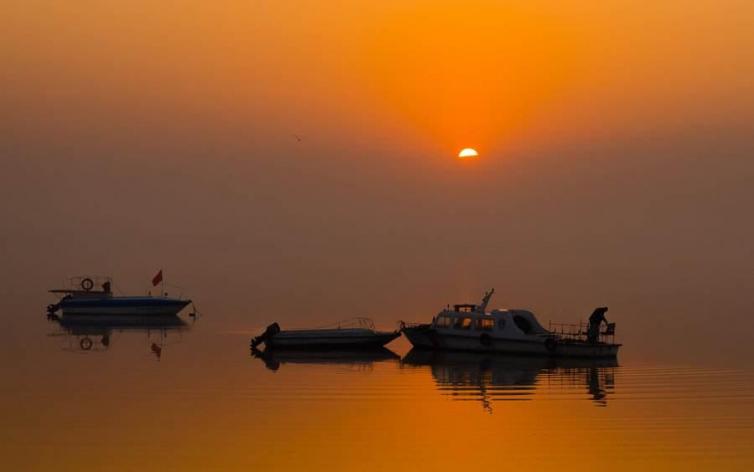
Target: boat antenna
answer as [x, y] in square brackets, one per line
[485, 300]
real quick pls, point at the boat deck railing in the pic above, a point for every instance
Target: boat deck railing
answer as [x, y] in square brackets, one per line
[350, 323]
[411, 324]
[85, 283]
[578, 332]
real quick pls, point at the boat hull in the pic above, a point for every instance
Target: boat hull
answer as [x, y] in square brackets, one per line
[334, 340]
[425, 337]
[123, 306]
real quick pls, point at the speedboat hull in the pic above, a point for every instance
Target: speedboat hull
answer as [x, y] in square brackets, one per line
[123, 306]
[331, 338]
[426, 337]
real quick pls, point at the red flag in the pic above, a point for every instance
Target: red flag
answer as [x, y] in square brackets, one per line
[157, 278]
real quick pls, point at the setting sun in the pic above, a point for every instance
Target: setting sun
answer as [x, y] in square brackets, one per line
[468, 152]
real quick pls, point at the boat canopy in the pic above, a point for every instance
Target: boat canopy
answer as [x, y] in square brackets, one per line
[86, 284]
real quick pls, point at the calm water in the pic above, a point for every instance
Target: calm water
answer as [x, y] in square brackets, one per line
[192, 397]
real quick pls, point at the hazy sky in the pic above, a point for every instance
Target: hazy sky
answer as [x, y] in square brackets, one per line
[615, 137]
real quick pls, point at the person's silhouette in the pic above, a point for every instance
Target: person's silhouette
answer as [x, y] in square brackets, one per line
[595, 321]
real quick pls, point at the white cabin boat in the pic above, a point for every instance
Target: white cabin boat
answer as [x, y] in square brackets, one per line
[469, 327]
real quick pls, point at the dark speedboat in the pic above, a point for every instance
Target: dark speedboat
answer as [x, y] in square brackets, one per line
[347, 334]
[93, 296]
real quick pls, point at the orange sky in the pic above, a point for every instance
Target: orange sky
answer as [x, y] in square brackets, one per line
[444, 74]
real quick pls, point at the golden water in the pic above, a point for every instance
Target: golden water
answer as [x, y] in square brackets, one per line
[196, 399]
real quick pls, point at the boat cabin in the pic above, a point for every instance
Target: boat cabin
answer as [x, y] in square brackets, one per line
[513, 323]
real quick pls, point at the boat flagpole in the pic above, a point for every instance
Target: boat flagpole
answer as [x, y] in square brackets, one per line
[159, 279]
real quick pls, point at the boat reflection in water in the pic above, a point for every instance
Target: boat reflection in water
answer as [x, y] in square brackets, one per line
[358, 358]
[495, 377]
[88, 333]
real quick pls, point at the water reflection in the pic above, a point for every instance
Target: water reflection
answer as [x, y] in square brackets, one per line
[486, 378]
[94, 333]
[358, 358]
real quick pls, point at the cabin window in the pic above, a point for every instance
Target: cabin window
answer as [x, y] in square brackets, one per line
[463, 323]
[485, 324]
[501, 324]
[443, 321]
[522, 323]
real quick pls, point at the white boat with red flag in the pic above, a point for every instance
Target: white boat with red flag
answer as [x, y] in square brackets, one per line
[93, 296]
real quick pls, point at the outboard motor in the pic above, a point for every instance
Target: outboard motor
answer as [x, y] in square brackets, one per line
[271, 331]
[53, 308]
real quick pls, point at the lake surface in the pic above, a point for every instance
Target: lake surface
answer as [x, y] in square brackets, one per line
[193, 397]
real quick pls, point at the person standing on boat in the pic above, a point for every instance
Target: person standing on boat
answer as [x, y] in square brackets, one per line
[595, 321]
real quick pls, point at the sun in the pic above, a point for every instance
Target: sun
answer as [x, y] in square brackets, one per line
[468, 152]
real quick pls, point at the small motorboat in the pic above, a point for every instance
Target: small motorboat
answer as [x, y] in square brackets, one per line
[92, 295]
[469, 327]
[346, 334]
